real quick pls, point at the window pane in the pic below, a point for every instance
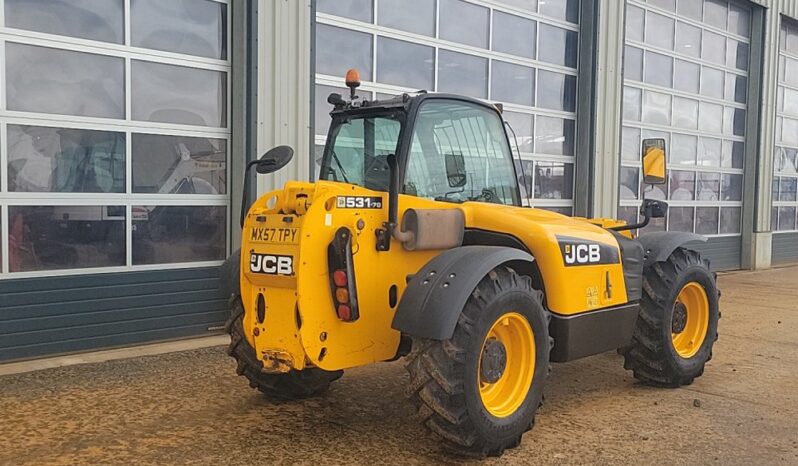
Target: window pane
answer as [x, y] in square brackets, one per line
[630, 148]
[685, 113]
[360, 10]
[658, 69]
[65, 237]
[706, 220]
[523, 125]
[338, 50]
[632, 104]
[682, 185]
[686, 76]
[683, 150]
[708, 186]
[553, 180]
[179, 165]
[635, 23]
[513, 34]
[557, 46]
[786, 160]
[736, 88]
[630, 182]
[196, 27]
[710, 117]
[526, 5]
[459, 73]
[561, 9]
[627, 214]
[656, 224]
[739, 20]
[556, 91]
[172, 234]
[554, 136]
[464, 22]
[787, 189]
[690, 8]
[712, 82]
[737, 55]
[659, 30]
[86, 19]
[680, 218]
[178, 94]
[405, 64]
[512, 83]
[42, 159]
[786, 218]
[322, 109]
[688, 39]
[656, 108]
[715, 13]
[709, 152]
[732, 188]
[633, 63]
[524, 172]
[713, 48]
[46, 80]
[732, 154]
[408, 15]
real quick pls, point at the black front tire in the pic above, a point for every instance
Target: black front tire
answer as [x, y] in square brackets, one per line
[444, 379]
[651, 354]
[291, 385]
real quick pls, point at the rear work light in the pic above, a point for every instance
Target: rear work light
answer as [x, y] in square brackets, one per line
[342, 276]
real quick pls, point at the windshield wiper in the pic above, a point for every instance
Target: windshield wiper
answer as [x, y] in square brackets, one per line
[343, 172]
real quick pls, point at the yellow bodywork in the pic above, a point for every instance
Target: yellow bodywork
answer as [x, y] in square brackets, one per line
[301, 328]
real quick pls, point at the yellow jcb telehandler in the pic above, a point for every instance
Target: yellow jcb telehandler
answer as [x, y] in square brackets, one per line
[414, 244]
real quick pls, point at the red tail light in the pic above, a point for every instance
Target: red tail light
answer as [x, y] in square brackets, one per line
[339, 278]
[344, 312]
[342, 278]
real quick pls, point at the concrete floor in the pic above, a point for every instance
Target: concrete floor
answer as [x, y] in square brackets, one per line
[189, 407]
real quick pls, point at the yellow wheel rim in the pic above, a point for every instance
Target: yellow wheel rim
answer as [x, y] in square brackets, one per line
[690, 320]
[504, 387]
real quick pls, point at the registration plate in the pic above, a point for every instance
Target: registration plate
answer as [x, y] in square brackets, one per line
[275, 235]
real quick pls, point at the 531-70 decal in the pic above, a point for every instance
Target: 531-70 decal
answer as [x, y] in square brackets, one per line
[359, 202]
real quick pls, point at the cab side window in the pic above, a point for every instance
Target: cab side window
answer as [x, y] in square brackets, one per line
[459, 153]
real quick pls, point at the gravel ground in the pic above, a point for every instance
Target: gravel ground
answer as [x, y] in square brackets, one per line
[190, 407]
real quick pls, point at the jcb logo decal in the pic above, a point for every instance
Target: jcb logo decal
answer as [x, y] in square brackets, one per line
[270, 264]
[577, 251]
[582, 254]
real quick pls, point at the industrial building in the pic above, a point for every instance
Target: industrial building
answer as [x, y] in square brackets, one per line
[125, 126]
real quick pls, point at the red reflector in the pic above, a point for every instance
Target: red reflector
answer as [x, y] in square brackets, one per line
[339, 278]
[344, 312]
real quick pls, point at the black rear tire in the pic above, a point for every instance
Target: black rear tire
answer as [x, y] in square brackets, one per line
[445, 377]
[291, 385]
[651, 354]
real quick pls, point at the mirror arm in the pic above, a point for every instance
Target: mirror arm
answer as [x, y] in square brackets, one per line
[245, 193]
[637, 226]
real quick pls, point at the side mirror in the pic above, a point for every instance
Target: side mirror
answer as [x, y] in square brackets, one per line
[654, 161]
[274, 159]
[455, 170]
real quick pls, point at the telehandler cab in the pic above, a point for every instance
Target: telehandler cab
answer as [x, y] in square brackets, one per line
[414, 243]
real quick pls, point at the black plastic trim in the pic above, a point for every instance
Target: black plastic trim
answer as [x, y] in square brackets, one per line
[659, 245]
[435, 296]
[592, 332]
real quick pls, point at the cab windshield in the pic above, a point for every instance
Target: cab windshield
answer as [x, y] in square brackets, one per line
[358, 153]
